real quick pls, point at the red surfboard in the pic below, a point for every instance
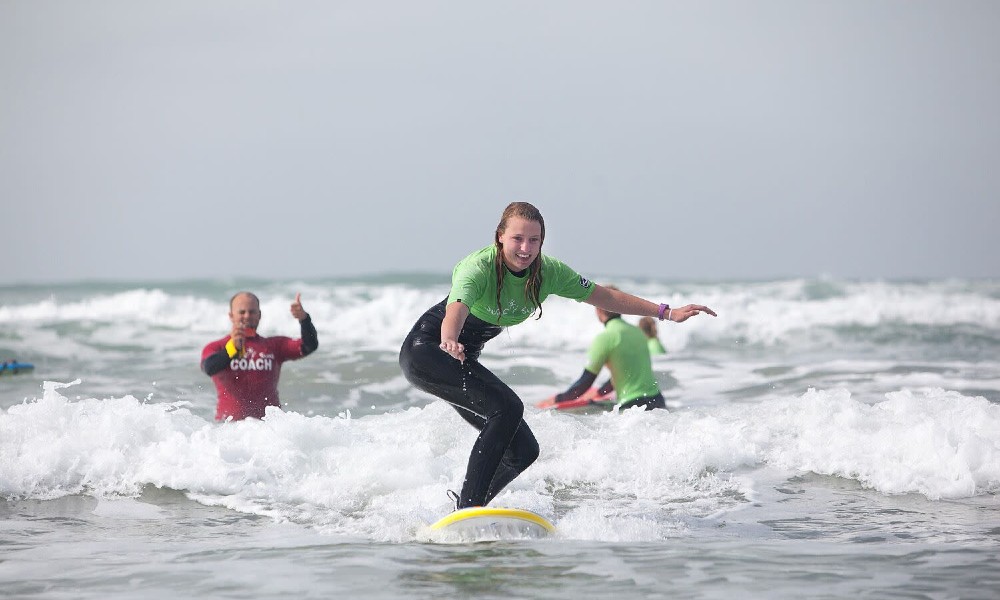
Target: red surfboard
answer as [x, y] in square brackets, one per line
[588, 398]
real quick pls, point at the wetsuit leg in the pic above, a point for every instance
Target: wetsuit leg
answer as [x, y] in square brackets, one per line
[505, 446]
[649, 402]
[520, 453]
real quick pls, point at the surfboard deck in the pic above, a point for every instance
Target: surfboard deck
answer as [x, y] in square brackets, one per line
[588, 398]
[483, 523]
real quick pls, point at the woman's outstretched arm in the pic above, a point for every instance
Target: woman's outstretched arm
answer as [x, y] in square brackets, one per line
[627, 304]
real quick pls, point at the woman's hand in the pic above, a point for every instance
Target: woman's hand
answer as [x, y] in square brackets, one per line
[456, 350]
[451, 327]
[679, 315]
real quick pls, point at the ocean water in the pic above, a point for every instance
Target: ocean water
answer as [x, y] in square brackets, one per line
[825, 439]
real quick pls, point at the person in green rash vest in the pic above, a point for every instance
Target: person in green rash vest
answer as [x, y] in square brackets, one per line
[648, 326]
[623, 348]
[503, 284]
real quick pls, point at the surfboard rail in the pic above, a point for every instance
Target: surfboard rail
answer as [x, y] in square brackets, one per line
[487, 512]
[480, 523]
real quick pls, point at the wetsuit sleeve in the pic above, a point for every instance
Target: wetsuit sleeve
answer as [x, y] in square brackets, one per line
[580, 386]
[310, 341]
[215, 363]
[214, 358]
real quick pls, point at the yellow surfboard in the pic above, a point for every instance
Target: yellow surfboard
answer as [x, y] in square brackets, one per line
[487, 523]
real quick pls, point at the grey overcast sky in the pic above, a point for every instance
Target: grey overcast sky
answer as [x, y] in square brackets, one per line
[711, 140]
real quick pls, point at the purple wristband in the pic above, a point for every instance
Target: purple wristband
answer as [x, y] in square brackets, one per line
[663, 308]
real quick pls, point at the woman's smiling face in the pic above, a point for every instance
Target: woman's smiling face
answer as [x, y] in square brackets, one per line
[521, 241]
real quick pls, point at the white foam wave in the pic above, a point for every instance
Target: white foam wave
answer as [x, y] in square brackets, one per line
[383, 476]
[377, 316]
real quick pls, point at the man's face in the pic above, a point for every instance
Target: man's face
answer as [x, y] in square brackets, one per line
[245, 311]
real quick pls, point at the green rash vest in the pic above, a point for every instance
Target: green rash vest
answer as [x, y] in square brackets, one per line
[474, 284]
[623, 348]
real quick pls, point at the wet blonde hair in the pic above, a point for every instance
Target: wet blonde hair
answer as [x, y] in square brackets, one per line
[533, 284]
[648, 326]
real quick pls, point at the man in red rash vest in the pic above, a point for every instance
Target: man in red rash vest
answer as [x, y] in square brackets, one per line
[245, 366]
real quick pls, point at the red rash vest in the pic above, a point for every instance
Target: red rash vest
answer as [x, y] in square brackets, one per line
[250, 382]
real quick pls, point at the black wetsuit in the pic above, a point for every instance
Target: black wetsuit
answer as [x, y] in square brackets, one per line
[505, 446]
